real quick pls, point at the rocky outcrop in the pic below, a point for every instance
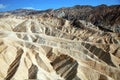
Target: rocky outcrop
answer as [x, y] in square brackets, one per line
[45, 47]
[101, 15]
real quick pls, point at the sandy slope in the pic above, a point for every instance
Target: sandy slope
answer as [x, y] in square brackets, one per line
[48, 48]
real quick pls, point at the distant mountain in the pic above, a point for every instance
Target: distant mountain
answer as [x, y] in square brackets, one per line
[22, 12]
[98, 15]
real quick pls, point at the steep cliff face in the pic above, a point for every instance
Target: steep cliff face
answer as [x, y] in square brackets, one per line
[49, 48]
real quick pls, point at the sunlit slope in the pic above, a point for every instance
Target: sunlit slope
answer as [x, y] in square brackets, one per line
[50, 48]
